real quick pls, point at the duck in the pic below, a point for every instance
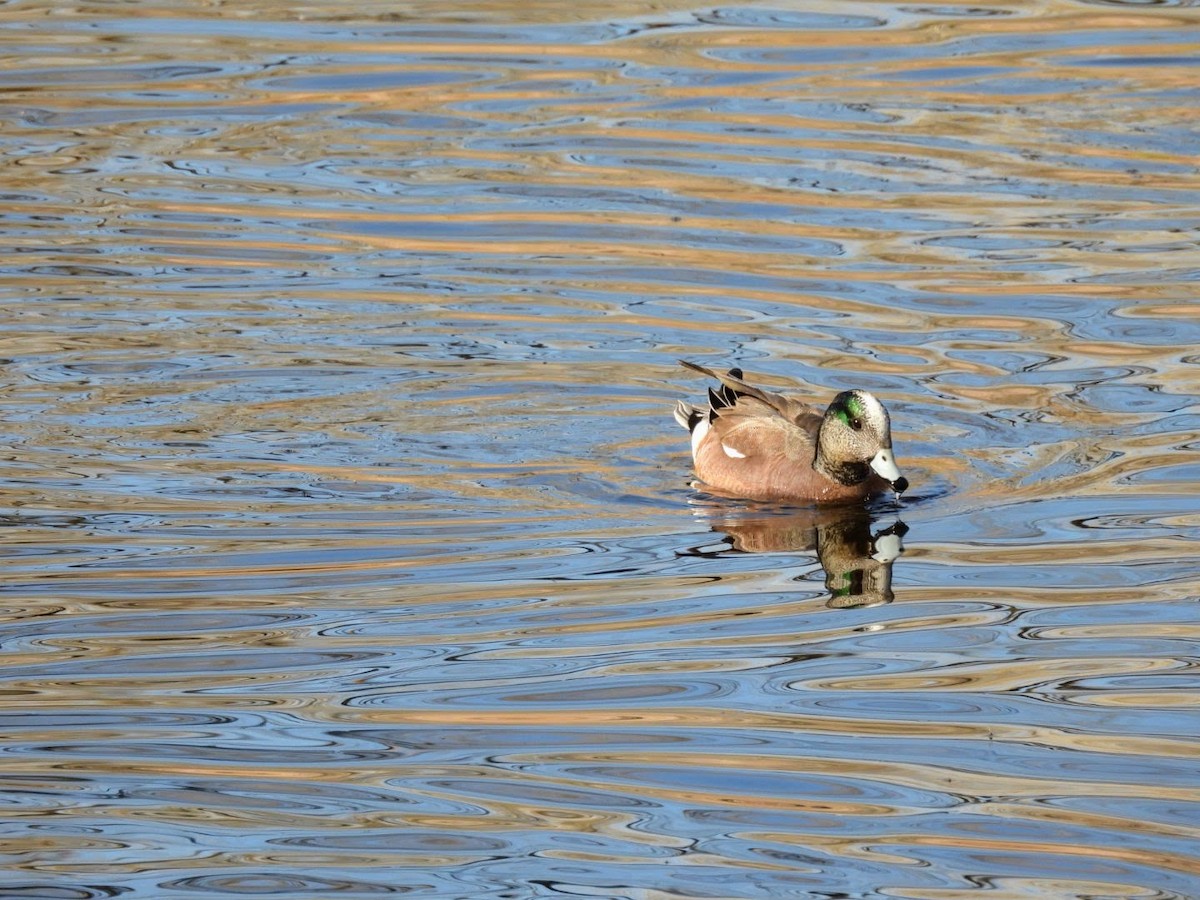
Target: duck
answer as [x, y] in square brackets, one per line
[752, 444]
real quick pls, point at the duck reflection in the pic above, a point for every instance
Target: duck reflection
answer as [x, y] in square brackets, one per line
[855, 551]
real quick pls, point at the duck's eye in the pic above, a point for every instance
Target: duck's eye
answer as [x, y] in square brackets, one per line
[856, 423]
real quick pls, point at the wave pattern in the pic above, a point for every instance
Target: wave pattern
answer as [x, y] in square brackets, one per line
[348, 543]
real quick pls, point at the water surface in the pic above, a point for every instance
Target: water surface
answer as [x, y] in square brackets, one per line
[350, 546]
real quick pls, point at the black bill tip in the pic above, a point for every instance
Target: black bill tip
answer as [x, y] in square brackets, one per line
[900, 485]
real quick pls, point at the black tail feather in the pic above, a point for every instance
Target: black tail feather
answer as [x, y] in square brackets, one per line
[721, 397]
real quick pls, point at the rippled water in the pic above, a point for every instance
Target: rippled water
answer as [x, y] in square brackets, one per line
[349, 543]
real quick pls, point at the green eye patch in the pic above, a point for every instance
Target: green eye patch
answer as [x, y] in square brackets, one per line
[849, 408]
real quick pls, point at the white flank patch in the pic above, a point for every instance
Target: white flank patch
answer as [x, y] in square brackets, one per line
[698, 434]
[732, 453]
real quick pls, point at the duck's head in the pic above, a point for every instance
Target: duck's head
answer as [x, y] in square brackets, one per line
[856, 439]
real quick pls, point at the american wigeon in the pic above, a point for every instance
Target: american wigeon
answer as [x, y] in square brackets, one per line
[757, 445]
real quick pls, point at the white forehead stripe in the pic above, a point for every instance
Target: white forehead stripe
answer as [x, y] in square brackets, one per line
[871, 407]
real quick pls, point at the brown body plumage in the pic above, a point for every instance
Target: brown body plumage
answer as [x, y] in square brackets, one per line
[758, 445]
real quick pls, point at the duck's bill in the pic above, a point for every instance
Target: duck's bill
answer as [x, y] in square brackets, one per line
[884, 465]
